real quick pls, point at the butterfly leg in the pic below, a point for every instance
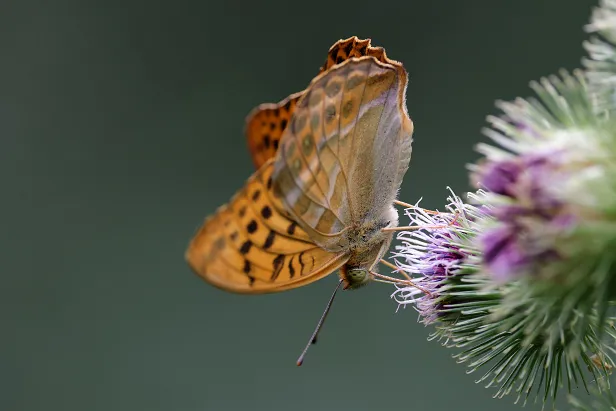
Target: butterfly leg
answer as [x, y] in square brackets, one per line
[407, 205]
[392, 280]
[395, 268]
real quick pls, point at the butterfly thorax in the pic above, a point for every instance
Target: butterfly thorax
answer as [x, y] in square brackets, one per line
[367, 244]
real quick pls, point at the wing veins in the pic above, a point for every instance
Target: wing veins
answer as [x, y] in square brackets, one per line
[233, 269]
[256, 262]
[311, 199]
[344, 174]
[361, 100]
[263, 221]
[301, 152]
[323, 132]
[306, 277]
[336, 234]
[245, 234]
[385, 106]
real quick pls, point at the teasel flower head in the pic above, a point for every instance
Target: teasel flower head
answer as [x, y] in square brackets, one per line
[471, 312]
[551, 191]
[551, 239]
[521, 278]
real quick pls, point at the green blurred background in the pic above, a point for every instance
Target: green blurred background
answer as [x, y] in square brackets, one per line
[121, 129]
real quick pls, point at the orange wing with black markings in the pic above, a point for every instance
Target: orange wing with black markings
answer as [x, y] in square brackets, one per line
[264, 127]
[353, 47]
[251, 246]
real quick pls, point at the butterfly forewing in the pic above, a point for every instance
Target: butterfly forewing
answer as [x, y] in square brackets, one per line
[264, 127]
[251, 246]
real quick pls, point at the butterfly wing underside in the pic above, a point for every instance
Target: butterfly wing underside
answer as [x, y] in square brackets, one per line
[329, 159]
[344, 153]
[250, 246]
[266, 123]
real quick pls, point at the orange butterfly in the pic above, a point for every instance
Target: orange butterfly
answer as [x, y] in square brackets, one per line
[330, 161]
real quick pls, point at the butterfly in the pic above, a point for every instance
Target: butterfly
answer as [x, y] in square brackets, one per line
[330, 161]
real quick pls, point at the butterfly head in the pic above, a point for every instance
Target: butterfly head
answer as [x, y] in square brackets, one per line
[355, 277]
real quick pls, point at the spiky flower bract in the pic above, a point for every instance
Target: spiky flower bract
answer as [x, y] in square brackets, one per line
[551, 180]
[552, 196]
[551, 185]
[601, 399]
[601, 63]
[523, 280]
[465, 306]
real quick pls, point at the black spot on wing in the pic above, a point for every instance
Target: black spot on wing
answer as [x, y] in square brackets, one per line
[291, 228]
[247, 269]
[269, 240]
[301, 263]
[278, 264]
[245, 248]
[291, 268]
[266, 212]
[348, 48]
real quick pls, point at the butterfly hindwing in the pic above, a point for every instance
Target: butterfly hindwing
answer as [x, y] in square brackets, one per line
[352, 47]
[250, 246]
[342, 157]
[266, 122]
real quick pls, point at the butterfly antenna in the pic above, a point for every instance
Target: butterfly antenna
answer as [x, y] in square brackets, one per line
[315, 334]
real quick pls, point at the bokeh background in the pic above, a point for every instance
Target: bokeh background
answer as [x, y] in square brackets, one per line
[121, 129]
